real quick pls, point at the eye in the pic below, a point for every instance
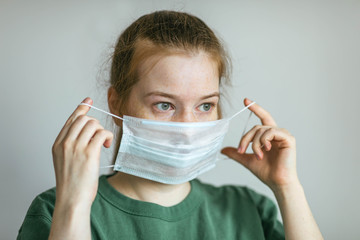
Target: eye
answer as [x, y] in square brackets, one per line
[205, 107]
[163, 106]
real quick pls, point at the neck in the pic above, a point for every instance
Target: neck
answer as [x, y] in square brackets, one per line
[149, 191]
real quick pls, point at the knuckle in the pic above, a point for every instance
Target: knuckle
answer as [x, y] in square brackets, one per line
[54, 147]
[255, 144]
[93, 119]
[257, 127]
[82, 118]
[263, 138]
[269, 131]
[88, 154]
[77, 148]
[92, 123]
[272, 130]
[103, 132]
[66, 144]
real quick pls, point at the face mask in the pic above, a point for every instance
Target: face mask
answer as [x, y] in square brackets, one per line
[169, 152]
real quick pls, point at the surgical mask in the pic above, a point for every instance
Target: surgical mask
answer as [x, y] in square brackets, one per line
[169, 152]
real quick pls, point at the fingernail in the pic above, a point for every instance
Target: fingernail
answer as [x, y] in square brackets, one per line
[86, 100]
[240, 149]
[267, 146]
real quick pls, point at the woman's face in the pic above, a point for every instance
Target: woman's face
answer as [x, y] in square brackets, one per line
[179, 88]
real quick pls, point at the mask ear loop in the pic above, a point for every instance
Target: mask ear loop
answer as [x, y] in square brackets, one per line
[113, 115]
[108, 166]
[246, 125]
[242, 110]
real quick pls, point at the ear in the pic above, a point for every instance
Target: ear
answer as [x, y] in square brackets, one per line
[114, 104]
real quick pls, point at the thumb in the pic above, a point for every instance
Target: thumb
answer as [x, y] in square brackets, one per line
[244, 159]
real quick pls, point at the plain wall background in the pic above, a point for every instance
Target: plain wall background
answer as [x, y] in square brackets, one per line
[298, 59]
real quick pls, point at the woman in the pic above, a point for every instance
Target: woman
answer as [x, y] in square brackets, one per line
[167, 66]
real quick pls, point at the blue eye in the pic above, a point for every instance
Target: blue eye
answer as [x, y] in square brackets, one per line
[205, 107]
[163, 106]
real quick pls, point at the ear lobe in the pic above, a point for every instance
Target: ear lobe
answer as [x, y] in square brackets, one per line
[114, 103]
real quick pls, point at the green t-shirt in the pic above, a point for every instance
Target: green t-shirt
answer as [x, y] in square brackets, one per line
[208, 212]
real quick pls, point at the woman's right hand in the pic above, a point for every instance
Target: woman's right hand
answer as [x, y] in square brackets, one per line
[76, 155]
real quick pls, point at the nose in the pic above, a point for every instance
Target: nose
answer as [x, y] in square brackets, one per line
[186, 115]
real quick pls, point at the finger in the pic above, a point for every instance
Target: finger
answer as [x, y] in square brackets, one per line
[256, 144]
[248, 137]
[87, 133]
[266, 139]
[244, 159]
[69, 141]
[278, 135]
[76, 127]
[101, 137]
[80, 110]
[265, 116]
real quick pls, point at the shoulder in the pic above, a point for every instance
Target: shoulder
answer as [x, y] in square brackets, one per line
[242, 203]
[43, 204]
[239, 197]
[37, 222]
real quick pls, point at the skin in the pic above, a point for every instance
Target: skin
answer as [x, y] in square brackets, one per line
[181, 88]
[187, 85]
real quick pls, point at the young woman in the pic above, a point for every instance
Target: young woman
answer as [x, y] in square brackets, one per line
[169, 67]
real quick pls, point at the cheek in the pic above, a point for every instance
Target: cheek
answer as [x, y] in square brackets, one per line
[215, 114]
[135, 107]
[205, 117]
[218, 112]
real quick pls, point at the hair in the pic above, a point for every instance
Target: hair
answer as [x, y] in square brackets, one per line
[157, 34]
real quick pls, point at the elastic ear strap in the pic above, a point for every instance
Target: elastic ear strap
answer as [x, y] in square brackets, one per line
[85, 104]
[108, 166]
[113, 115]
[246, 124]
[242, 110]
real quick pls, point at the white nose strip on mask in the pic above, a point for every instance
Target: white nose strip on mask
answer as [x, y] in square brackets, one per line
[169, 152]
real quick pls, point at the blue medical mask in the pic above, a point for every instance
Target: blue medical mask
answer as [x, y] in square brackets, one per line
[169, 152]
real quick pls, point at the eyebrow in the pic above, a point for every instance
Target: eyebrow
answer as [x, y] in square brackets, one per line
[167, 95]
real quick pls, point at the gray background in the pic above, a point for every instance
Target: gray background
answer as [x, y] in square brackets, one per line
[298, 59]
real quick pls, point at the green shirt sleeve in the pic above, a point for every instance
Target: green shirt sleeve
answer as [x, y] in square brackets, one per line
[273, 228]
[34, 227]
[37, 222]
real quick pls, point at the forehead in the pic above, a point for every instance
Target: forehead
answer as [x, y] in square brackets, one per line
[191, 74]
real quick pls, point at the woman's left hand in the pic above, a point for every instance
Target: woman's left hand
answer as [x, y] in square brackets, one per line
[274, 157]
